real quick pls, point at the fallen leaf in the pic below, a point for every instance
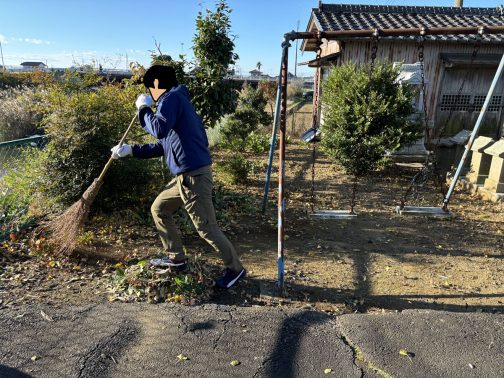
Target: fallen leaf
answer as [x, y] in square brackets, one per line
[181, 357]
[405, 353]
[235, 363]
[471, 366]
[35, 358]
[328, 371]
[51, 264]
[45, 316]
[12, 237]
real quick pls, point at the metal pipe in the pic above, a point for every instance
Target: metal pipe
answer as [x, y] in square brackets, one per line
[399, 32]
[474, 133]
[3, 64]
[281, 163]
[273, 134]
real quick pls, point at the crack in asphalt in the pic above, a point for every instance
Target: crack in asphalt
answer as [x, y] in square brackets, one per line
[366, 364]
[354, 353]
[216, 342]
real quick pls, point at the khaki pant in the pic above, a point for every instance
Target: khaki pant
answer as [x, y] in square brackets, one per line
[193, 190]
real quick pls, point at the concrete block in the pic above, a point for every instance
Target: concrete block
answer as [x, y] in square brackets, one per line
[495, 180]
[481, 143]
[480, 161]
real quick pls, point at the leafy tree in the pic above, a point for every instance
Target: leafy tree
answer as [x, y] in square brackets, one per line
[213, 95]
[364, 116]
[258, 66]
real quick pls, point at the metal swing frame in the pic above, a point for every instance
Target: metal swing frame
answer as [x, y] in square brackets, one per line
[280, 121]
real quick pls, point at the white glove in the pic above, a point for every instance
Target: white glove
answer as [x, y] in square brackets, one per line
[143, 101]
[121, 151]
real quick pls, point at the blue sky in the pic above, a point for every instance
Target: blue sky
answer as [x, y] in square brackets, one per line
[106, 31]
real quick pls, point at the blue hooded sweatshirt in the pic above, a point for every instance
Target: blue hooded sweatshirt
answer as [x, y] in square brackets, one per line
[182, 138]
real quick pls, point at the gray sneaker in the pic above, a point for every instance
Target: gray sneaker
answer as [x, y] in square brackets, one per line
[169, 262]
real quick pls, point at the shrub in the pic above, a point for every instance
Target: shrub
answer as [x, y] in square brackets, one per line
[18, 190]
[236, 170]
[258, 142]
[269, 89]
[18, 118]
[248, 116]
[365, 116]
[84, 125]
[9, 80]
[295, 89]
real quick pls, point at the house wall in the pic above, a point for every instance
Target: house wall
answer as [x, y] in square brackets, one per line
[439, 80]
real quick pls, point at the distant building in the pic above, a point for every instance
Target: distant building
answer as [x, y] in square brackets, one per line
[32, 65]
[255, 73]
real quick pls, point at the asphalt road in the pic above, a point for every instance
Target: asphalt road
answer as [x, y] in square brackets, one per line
[142, 340]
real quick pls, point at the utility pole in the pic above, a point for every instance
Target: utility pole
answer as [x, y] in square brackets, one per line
[295, 60]
[1, 51]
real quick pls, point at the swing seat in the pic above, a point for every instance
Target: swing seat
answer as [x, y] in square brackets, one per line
[333, 214]
[436, 212]
[311, 135]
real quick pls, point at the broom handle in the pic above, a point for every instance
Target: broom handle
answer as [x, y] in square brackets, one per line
[109, 163]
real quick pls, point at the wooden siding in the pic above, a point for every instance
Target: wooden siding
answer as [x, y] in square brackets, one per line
[359, 52]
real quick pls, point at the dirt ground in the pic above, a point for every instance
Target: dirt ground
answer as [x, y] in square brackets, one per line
[379, 261]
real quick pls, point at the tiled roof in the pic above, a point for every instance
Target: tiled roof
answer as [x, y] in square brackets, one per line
[32, 64]
[330, 17]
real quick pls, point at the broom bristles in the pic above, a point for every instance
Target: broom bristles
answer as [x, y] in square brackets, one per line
[65, 228]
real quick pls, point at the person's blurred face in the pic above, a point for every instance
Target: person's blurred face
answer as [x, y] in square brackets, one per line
[156, 92]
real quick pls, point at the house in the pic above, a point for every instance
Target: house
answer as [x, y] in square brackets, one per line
[33, 65]
[448, 61]
[255, 73]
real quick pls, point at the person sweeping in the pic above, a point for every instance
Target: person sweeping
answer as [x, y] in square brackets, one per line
[183, 143]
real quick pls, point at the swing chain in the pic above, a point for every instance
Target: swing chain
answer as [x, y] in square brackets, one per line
[374, 50]
[421, 59]
[315, 121]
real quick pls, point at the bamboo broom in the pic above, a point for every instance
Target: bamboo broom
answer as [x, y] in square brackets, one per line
[65, 228]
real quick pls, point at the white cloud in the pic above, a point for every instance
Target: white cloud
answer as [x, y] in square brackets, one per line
[35, 41]
[3, 39]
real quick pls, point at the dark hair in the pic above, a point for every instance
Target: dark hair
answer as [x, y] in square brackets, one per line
[165, 75]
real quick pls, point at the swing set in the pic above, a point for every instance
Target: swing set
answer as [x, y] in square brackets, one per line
[312, 135]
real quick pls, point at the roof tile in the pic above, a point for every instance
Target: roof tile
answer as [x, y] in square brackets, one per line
[331, 17]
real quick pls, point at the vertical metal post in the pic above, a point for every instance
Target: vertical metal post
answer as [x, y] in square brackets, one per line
[281, 164]
[474, 133]
[273, 134]
[3, 64]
